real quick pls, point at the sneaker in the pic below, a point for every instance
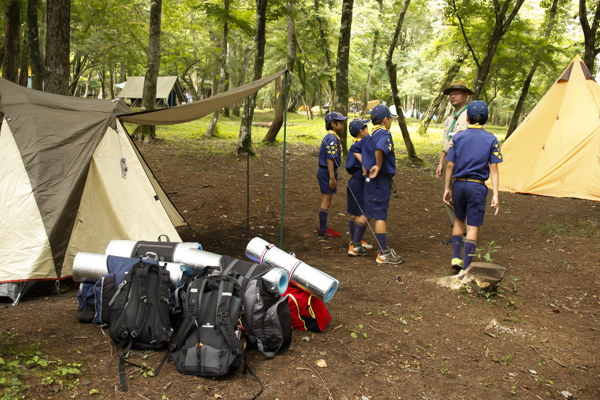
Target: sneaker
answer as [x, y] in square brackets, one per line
[462, 272]
[457, 264]
[357, 250]
[388, 256]
[329, 233]
[366, 246]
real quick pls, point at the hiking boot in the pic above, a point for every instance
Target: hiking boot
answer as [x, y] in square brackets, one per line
[457, 264]
[357, 250]
[329, 233]
[388, 256]
[366, 246]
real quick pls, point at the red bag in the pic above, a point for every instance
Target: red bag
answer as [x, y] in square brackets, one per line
[308, 312]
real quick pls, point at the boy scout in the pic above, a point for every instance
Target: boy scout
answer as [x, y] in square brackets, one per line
[458, 93]
[473, 155]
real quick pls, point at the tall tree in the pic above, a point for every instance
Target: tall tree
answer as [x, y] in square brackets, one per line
[147, 133]
[341, 71]
[23, 75]
[365, 99]
[223, 68]
[291, 61]
[589, 34]
[12, 38]
[392, 74]
[243, 73]
[35, 60]
[244, 144]
[502, 21]
[58, 46]
[324, 43]
[435, 103]
[514, 121]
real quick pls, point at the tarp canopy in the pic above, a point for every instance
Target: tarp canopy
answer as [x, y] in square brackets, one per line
[371, 104]
[556, 149]
[192, 111]
[134, 87]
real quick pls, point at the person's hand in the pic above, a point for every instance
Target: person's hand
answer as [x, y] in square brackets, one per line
[448, 197]
[374, 171]
[495, 204]
[332, 184]
[438, 171]
[364, 171]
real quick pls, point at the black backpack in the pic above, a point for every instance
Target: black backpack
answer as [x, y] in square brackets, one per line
[140, 312]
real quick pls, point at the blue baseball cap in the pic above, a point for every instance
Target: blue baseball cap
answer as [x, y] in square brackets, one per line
[477, 107]
[380, 112]
[334, 116]
[356, 126]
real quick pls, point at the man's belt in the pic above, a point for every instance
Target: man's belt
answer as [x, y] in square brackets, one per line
[470, 180]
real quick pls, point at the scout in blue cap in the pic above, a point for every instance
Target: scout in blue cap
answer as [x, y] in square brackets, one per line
[356, 188]
[330, 158]
[474, 153]
[379, 161]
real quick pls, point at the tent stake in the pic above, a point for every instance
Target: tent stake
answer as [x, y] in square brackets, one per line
[284, 143]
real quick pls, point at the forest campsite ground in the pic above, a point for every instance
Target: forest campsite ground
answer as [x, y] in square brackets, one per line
[536, 338]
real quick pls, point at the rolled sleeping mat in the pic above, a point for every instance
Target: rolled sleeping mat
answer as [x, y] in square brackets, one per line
[278, 278]
[196, 258]
[312, 280]
[90, 267]
[166, 251]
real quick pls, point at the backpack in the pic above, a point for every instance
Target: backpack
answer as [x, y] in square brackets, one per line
[308, 312]
[140, 312]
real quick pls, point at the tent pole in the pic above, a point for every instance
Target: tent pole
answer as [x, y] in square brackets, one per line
[284, 143]
[248, 168]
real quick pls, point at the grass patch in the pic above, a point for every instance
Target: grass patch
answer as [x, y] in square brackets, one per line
[575, 229]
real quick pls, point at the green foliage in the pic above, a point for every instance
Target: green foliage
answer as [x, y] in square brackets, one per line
[486, 251]
[354, 333]
[572, 229]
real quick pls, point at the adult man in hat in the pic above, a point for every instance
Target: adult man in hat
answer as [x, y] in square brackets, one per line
[458, 92]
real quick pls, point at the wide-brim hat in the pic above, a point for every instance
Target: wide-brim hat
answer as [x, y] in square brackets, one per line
[458, 85]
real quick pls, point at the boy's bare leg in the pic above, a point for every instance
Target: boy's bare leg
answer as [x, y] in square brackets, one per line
[326, 199]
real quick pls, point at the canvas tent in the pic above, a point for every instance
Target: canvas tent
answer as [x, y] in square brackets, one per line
[169, 92]
[556, 149]
[71, 180]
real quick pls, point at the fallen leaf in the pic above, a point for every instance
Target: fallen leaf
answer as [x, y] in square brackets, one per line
[323, 353]
[418, 318]
[337, 327]
[406, 331]
[218, 396]
[321, 364]
[306, 338]
[327, 248]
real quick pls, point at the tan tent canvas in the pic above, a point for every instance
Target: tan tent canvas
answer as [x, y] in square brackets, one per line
[71, 180]
[165, 86]
[556, 149]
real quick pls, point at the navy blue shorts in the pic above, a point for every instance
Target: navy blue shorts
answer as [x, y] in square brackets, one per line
[323, 177]
[469, 200]
[356, 186]
[377, 197]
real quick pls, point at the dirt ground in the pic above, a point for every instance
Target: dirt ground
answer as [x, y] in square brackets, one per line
[547, 310]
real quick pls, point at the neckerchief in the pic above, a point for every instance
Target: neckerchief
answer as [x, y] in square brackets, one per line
[476, 126]
[455, 119]
[376, 128]
[334, 134]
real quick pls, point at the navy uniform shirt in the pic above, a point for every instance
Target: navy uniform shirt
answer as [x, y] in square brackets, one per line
[330, 148]
[353, 166]
[472, 151]
[379, 139]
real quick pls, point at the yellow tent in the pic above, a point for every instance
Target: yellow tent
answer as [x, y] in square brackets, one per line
[556, 149]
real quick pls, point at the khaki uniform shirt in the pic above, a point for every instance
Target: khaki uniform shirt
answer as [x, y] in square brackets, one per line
[460, 125]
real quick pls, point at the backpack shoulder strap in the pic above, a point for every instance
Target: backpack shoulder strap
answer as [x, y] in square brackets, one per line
[190, 320]
[230, 266]
[226, 288]
[142, 280]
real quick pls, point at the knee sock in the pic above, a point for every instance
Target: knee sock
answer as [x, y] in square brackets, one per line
[382, 239]
[470, 246]
[457, 241]
[322, 220]
[359, 231]
[351, 228]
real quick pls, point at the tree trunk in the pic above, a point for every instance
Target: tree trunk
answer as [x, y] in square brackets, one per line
[244, 144]
[43, 24]
[123, 73]
[223, 70]
[37, 72]
[514, 122]
[280, 106]
[87, 83]
[243, 73]
[341, 71]
[589, 34]
[24, 63]
[102, 91]
[391, 70]
[112, 81]
[58, 46]
[12, 39]
[326, 57]
[365, 99]
[147, 133]
[228, 79]
[435, 104]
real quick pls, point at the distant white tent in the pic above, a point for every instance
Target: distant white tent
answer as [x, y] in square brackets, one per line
[169, 92]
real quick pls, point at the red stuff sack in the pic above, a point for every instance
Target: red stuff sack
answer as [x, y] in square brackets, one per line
[308, 312]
